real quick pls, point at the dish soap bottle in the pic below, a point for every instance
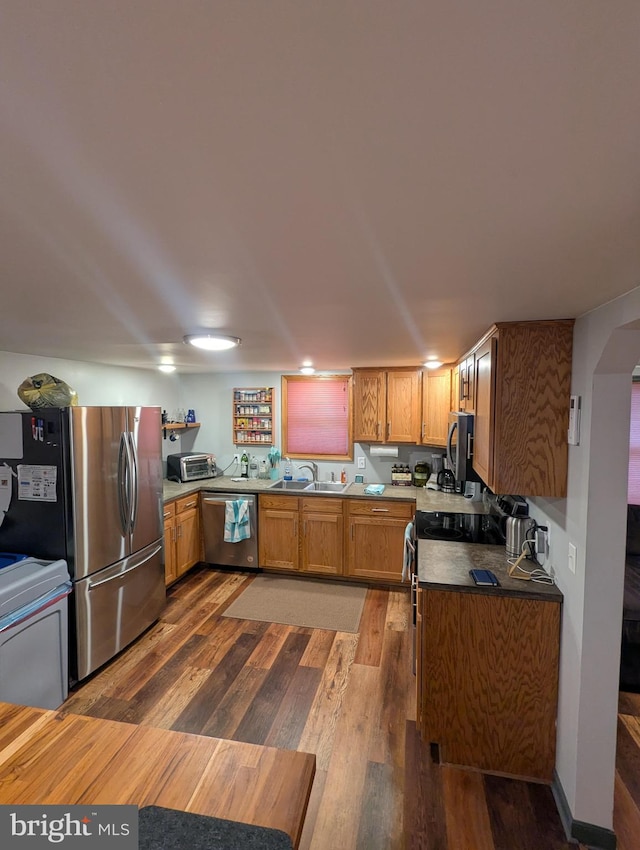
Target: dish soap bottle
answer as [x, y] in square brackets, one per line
[287, 470]
[244, 465]
[343, 476]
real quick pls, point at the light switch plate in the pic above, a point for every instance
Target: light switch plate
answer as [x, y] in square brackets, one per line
[362, 463]
[573, 556]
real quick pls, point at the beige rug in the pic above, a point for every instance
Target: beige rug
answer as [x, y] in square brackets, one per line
[301, 602]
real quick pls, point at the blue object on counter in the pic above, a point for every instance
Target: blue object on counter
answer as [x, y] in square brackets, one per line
[374, 489]
[7, 559]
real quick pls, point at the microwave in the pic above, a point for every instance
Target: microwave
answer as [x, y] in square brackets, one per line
[187, 466]
[460, 446]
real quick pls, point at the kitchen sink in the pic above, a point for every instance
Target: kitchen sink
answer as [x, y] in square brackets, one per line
[310, 486]
[289, 485]
[327, 487]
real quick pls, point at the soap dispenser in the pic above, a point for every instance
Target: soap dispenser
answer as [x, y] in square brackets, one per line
[287, 470]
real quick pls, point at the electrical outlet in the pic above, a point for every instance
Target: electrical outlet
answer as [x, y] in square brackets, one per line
[573, 557]
[236, 458]
[362, 463]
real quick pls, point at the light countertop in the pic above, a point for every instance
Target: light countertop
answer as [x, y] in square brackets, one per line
[426, 500]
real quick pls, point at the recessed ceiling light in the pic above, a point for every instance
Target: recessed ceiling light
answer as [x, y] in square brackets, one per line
[212, 342]
[167, 367]
[433, 364]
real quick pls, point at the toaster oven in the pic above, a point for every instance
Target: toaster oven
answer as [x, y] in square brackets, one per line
[187, 466]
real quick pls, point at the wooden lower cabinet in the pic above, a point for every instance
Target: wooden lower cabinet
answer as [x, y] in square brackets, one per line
[298, 534]
[278, 519]
[487, 669]
[322, 536]
[182, 536]
[375, 539]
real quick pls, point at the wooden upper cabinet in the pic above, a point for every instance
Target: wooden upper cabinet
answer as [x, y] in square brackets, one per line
[483, 421]
[436, 405]
[386, 404]
[522, 393]
[403, 406]
[369, 405]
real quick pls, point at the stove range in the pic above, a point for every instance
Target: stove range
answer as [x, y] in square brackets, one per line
[458, 528]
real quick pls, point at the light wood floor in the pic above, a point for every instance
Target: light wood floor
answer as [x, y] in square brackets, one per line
[348, 698]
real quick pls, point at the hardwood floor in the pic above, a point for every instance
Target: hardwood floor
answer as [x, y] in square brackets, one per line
[348, 698]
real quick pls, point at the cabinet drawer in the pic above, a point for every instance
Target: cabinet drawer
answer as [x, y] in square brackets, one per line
[388, 508]
[320, 505]
[169, 510]
[187, 503]
[285, 503]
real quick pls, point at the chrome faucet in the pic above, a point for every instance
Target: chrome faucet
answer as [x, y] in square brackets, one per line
[313, 467]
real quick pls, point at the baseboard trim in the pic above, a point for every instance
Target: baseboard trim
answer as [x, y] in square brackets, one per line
[578, 831]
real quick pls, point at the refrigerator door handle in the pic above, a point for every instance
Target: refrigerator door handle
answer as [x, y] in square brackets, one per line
[150, 555]
[133, 498]
[123, 501]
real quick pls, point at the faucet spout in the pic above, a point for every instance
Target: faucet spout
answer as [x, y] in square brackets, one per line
[312, 467]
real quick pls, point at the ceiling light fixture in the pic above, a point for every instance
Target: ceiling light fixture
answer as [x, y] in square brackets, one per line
[212, 342]
[167, 367]
[307, 370]
[433, 364]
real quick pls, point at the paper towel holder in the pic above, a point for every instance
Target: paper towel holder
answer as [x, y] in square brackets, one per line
[384, 451]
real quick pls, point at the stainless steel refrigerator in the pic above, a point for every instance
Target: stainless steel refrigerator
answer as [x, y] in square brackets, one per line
[85, 484]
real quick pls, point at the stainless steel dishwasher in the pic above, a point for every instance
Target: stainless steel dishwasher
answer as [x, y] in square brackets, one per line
[244, 553]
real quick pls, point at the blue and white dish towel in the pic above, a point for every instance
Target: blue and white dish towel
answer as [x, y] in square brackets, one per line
[236, 521]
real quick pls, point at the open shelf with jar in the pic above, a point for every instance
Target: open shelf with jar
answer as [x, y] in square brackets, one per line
[253, 416]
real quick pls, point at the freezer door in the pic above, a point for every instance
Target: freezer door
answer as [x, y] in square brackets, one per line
[144, 427]
[98, 461]
[116, 605]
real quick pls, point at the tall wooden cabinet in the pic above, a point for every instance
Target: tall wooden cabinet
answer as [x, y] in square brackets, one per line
[386, 405]
[522, 393]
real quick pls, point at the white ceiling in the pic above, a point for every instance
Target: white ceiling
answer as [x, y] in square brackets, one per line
[358, 182]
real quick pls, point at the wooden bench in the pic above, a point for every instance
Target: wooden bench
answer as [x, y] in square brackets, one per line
[50, 757]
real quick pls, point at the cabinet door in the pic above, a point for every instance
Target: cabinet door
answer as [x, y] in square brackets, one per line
[278, 538]
[188, 540]
[490, 681]
[436, 405]
[403, 407]
[376, 548]
[369, 406]
[170, 571]
[483, 443]
[322, 542]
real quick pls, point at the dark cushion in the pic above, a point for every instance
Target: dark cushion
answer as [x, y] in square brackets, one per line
[170, 829]
[633, 529]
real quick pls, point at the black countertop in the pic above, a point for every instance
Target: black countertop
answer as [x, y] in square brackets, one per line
[443, 565]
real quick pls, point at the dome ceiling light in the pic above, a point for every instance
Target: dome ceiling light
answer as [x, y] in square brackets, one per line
[212, 341]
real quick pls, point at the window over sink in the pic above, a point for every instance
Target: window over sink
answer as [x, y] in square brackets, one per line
[316, 417]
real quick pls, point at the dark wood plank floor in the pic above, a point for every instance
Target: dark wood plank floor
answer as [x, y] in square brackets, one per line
[348, 698]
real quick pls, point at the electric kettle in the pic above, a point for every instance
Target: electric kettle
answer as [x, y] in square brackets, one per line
[517, 530]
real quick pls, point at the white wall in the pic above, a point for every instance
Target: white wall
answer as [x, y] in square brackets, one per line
[94, 383]
[593, 517]
[210, 395]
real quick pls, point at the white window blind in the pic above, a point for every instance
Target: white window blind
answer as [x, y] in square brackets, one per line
[316, 416]
[633, 495]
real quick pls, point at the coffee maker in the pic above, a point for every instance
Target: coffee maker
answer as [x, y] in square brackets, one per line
[437, 465]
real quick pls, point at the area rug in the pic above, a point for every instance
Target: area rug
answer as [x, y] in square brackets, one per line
[301, 602]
